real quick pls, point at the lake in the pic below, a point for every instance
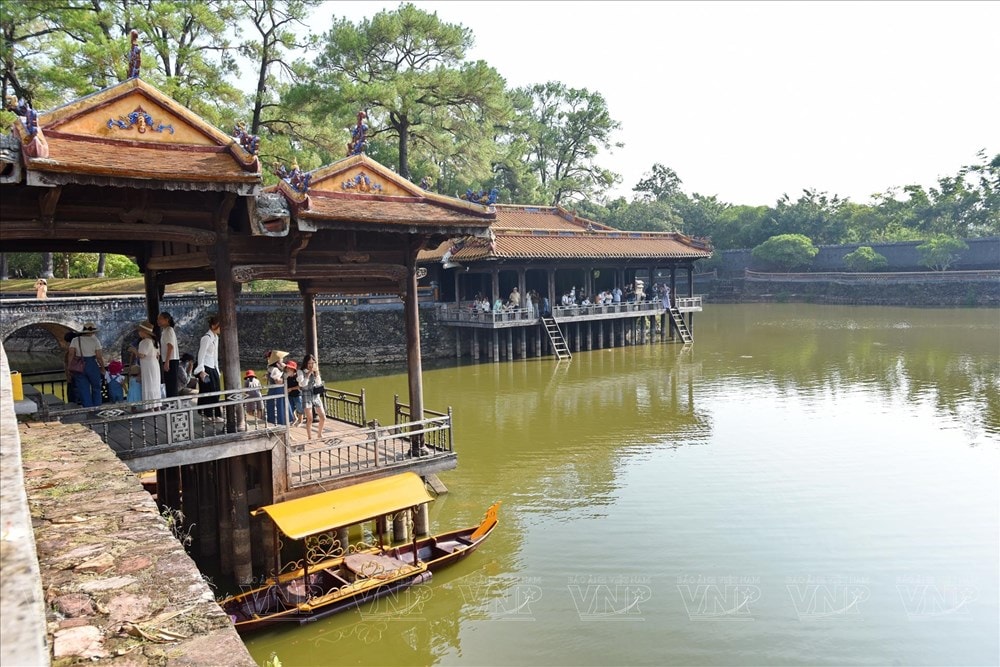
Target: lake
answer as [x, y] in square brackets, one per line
[804, 484]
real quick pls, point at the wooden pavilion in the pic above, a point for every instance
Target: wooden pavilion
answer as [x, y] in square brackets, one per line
[128, 170]
[550, 252]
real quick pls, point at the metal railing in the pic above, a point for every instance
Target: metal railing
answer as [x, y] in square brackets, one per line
[345, 406]
[469, 312]
[369, 448]
[441, 439]
[147, 427]
[569, 312]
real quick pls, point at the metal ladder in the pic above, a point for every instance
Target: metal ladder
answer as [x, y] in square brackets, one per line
[556, 337]
[681, 325]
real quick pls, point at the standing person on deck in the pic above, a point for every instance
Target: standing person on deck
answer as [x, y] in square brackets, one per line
[312, 395]
[149, 366]
[169, 354]
[276, 408]
[207, 370]
[88, 382]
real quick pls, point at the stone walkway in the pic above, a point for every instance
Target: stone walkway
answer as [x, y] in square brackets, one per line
[119, 588]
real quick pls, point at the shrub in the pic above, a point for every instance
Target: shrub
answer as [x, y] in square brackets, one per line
[865, 259]
[786, 252]
[940, 252]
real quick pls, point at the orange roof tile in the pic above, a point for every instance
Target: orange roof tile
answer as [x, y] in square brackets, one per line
[548, 244]
[541, 217]
[386, 210]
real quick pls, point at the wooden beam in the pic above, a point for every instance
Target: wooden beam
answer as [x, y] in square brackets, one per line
[15, 231]
[392, 272]
[188, 260]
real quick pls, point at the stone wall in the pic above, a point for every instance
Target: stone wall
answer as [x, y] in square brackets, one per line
[952, 294]
[348, 335]
[983, 254]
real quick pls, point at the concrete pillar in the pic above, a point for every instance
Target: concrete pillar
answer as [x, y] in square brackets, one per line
[401, 527]
[421, 521]
[224, 503]
[189, 496]
[600, 334]
[241, 543]
[475, 345]
[381, 526]
[576, 336]
[458, 342]
[208, 515]
[261, 528]
[510, 344]
[495, 346]
[524, 342]
[344, 537]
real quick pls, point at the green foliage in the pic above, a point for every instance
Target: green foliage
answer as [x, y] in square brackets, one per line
[567, 127]
[940, 252]
[865, 259]
[407, 69]
[786, 251]
[120, 266]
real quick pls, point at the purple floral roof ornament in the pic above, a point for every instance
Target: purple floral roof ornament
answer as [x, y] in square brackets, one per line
[482, 197]
[359, 136]
[295, 177]
[134, 57]
[249, 142]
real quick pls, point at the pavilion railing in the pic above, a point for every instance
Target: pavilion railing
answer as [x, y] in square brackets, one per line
[345, 406]
[880, 277]
[141, 428]
[369, 448]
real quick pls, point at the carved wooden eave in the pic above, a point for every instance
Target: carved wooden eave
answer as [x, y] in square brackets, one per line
[133, 136]
[330, 272]
[17, 230]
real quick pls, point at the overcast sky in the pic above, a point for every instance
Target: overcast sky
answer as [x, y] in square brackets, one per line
[750, 100]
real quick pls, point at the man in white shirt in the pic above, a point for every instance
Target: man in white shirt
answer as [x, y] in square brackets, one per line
[207, 370]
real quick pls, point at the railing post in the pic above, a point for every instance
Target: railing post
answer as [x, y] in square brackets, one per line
[451, 431]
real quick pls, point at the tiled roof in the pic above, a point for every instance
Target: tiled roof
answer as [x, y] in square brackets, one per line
[600, 245]
[359, 190]
[541, 217]
[133, 160]
[97, 135]
[402, 211]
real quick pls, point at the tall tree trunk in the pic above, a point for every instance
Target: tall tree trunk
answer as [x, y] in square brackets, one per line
[3, 266]
[259, 93]
[101, 264]
[404, 150]
[65, 264]
[47, 265]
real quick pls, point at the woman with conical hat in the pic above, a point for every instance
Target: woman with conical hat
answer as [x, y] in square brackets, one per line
[275, 404]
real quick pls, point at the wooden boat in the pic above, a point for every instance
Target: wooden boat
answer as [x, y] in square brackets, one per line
[332, 577]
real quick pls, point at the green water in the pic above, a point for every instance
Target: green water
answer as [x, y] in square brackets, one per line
[804, 484]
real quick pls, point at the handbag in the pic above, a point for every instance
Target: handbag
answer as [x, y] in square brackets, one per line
[76, 364]
[320, 391]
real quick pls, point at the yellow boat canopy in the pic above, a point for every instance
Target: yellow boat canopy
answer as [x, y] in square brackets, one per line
[345, 507]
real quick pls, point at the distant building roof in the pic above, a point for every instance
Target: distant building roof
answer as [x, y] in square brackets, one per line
[550, 232]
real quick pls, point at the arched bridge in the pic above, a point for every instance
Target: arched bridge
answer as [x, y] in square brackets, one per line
[115, 316]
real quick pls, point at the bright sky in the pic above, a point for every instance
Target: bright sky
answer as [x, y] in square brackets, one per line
[750, 100]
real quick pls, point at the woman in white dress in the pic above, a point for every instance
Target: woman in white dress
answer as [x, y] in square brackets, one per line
[149, 365]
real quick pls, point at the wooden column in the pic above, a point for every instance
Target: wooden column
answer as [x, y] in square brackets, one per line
[475, 345]
[458, 295]
[494, 286]
[458, 342]
[551, 274]
[495, 346]
[152, 295]
[309, 324]
[229, 353]
[524, 342]
[414, 368]
[510, 344]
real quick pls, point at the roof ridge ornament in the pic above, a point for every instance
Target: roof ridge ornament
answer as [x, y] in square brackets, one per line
[34, 141]
[141, 120]
[134, 57]
[249, 142]
[295, 177]
[359, 136]
[482, 197]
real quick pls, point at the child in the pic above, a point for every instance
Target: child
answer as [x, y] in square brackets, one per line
[294, 393]
[134, 385]
[115, 380]
[255, 408]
